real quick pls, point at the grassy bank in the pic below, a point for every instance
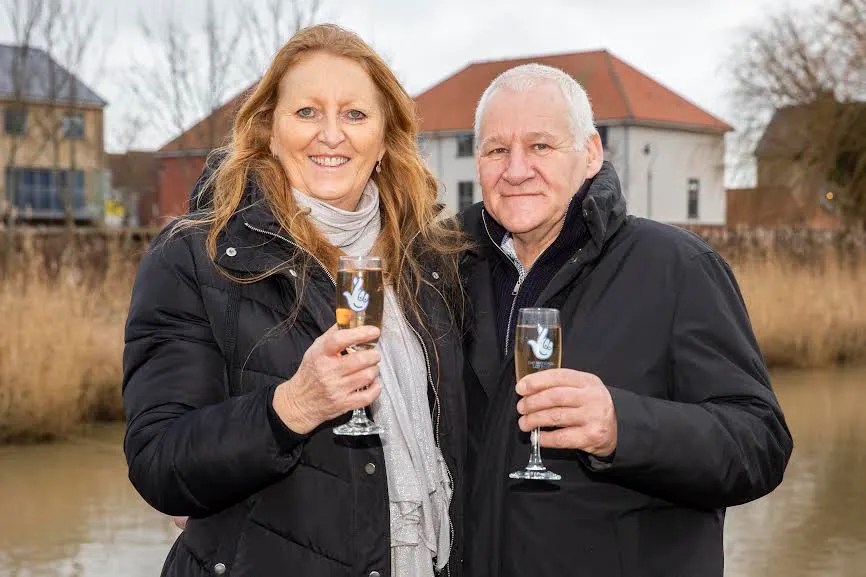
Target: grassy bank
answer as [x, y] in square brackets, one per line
[63, 302]
[806, 315]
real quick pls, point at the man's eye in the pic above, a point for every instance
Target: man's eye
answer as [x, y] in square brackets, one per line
[306, 112]
[540, 146]
[356, 115]
[496, 151]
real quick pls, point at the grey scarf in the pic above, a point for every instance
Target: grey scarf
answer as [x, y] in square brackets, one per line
[419, 486]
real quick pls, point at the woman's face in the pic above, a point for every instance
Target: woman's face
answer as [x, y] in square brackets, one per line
[328, 129]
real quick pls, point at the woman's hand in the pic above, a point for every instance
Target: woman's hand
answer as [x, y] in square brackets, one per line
[329, 383]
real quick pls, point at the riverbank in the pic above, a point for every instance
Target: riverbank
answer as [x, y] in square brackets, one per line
[64, 297]
[63, 300]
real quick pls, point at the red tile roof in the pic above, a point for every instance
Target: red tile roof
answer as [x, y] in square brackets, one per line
[619, 92]
[204, 136]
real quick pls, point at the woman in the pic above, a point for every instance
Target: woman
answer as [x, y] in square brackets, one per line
[234, 373]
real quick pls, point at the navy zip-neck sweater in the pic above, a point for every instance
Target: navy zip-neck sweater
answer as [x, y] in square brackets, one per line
[504, 275]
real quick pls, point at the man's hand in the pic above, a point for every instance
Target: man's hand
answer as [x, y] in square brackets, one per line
[577, 404]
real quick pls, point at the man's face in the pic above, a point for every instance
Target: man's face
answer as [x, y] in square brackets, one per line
[529, 164]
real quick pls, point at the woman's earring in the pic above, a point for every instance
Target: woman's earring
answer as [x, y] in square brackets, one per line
[378, 166]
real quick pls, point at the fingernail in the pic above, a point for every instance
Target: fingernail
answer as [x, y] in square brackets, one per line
[520, 407]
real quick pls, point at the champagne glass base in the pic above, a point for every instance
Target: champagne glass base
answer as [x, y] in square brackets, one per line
[359, 429]
[535, 474]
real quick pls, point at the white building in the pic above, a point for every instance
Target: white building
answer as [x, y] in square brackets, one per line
[668, 153]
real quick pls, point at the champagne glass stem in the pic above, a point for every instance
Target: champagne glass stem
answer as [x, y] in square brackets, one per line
[535, 452]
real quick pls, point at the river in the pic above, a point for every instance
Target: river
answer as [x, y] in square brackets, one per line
[67, 509]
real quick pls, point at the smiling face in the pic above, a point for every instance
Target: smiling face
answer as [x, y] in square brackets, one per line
[529, 164]
[328, 128]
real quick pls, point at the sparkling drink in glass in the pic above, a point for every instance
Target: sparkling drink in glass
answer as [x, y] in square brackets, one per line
[360, 301]
[537, 347]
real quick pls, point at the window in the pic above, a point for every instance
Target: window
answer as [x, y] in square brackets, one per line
[465, 144]
[15, 120]
[73, 126]
[602, 134]
[694, 192]
[465, 194]
[39, 192]
[423, 142]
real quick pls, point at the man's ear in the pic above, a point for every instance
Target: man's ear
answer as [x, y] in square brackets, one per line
[594, 155]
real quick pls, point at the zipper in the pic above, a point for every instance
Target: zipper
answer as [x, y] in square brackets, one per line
[437, 410]
[521, 276]
[296, 245]
[437, 407]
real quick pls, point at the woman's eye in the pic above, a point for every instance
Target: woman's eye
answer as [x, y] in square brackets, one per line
[306, 112]
[356, 115]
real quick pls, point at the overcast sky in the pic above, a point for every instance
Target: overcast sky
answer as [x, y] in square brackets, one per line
[684, 44]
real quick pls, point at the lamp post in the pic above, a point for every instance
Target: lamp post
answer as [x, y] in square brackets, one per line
[647, 150]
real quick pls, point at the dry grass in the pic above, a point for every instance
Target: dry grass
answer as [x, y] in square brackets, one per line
[806, 315]
[63, 303]
[61, 342]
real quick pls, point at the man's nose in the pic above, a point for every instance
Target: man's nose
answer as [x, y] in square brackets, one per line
[331, 132]
[519, 168]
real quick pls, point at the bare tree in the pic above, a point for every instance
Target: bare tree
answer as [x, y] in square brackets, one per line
[193, 70]
[812, 65]
[67, 30]
[47, 88]
[268, 28]
[23, 17]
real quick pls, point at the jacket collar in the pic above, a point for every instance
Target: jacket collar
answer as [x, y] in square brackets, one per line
[603, 208]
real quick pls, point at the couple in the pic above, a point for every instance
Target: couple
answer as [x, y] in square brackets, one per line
[234, 372]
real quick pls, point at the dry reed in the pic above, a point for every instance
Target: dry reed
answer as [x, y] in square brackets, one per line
[806, 315]
[61, 341]
[63, 303]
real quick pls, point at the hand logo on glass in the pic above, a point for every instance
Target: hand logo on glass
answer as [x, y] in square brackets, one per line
[358, 299]
[542, 347]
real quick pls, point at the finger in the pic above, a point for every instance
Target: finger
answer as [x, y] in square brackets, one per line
[587, 438]
[551, 398]
[550, 378]
[358, 380]
[335, 341]
[568, 438]
[556, 417]
[365, 397]
[357, 361]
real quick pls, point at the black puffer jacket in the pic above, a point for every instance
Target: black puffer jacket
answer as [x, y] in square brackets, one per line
[657, 315]
[203, 357]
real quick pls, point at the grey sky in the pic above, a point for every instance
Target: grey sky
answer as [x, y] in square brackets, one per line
[682, 43]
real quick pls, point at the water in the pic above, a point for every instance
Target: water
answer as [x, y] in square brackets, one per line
[813, 524]
[67, 510]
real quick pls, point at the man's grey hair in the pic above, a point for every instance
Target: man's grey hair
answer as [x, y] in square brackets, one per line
[527, 76]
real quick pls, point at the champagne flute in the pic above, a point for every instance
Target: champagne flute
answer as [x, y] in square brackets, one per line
[537, 347]
[360, 299]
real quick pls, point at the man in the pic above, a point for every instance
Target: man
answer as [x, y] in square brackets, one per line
[662, 414]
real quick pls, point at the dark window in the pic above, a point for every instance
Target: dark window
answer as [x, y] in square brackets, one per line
[73, 126]
[694, 193]
[465, 144]
[39, 192]
[15, 120]
[602, 134]
[465, 194]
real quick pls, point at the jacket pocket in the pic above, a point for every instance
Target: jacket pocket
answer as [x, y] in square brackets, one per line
[213, 539]
[554, 532]
[671, 541]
